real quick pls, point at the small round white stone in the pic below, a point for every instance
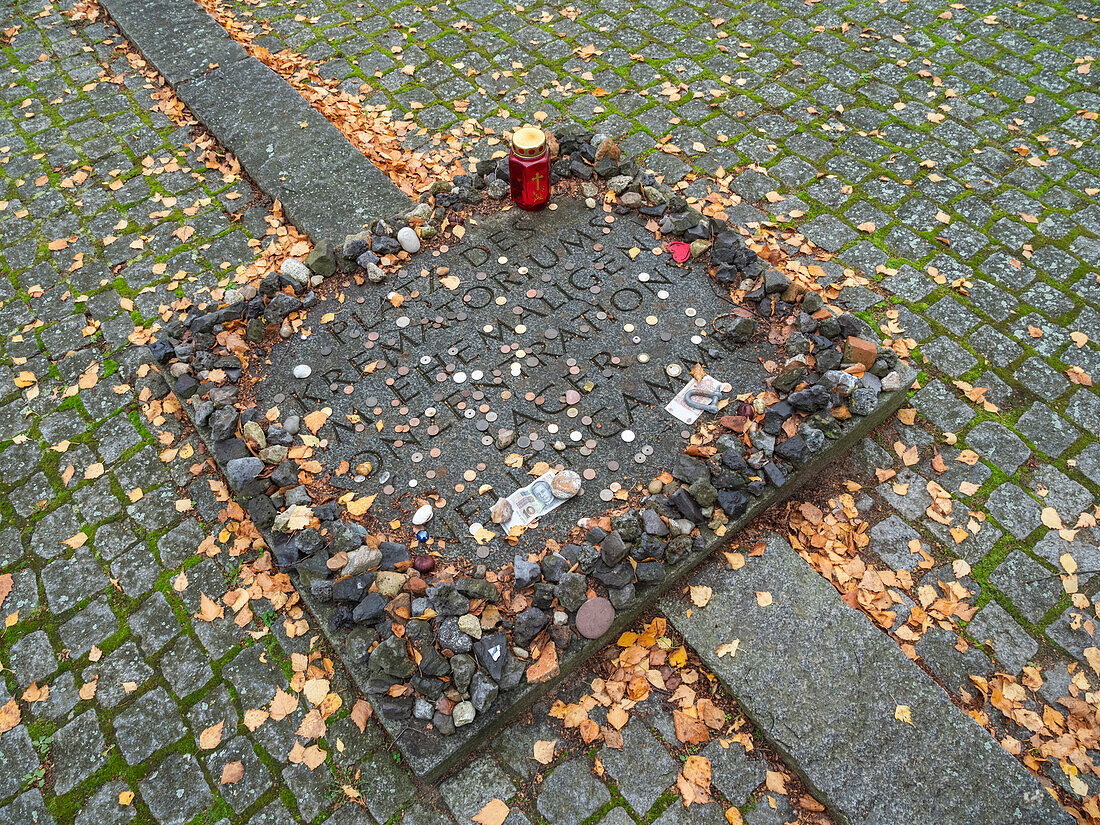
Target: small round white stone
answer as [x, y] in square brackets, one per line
[409, 240]
[423, 514]
[295, 270]
[303, 371]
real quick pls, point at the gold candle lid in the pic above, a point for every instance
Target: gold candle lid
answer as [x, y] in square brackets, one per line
[528, 142]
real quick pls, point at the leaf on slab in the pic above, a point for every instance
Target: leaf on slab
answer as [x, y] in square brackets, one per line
[254, 717]
[689, 730]
[9, 716]
[544, 751]
[283, 704]
[1051, 518]
[727, 649]
[211, 737]
[232, 773]
[701, 595]
[360, 713]
[494, 813]
[209, 610]
[904, 714]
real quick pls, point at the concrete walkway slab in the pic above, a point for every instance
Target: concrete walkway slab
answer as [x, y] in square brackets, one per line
[290, 150]
[823, 684]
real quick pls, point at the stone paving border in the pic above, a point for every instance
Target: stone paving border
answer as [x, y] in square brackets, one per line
[824, 686]
[327, 187]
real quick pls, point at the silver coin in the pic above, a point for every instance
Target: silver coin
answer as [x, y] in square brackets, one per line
[403, 321]
[647, 449]
[459, 377]
[627, 436]
[606, 495]
[639, 458]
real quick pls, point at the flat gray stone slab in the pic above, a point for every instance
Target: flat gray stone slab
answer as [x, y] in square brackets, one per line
[327, 186]
[589, 317]
[179, 38]
[544, 326]
[822, 684]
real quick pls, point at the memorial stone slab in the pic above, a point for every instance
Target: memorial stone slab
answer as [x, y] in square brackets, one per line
[563, 330]
[540, 343]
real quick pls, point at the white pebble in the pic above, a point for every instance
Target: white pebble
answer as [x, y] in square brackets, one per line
[423, 514]
[407, 237]
[303, 371]
[295, 270]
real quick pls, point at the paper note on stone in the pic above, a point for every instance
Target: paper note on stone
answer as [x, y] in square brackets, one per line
[534, 500]
[678, 406]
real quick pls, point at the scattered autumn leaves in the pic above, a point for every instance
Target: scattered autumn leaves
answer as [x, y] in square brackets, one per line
[651, 664]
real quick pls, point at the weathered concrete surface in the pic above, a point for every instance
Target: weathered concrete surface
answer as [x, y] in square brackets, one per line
[822, 684]
[156, 29]
[327, 186]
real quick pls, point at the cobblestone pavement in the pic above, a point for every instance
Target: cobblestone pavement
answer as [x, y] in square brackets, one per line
[115, 675]
[945, 152]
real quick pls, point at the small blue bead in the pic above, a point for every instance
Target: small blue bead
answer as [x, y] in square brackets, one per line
[422, 536]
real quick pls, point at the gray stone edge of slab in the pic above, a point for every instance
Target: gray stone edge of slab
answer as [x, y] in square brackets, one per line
[207, 65]
[944, 769]
[452, 749]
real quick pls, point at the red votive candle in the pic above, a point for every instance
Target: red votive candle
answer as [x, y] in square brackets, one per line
[529, 169]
